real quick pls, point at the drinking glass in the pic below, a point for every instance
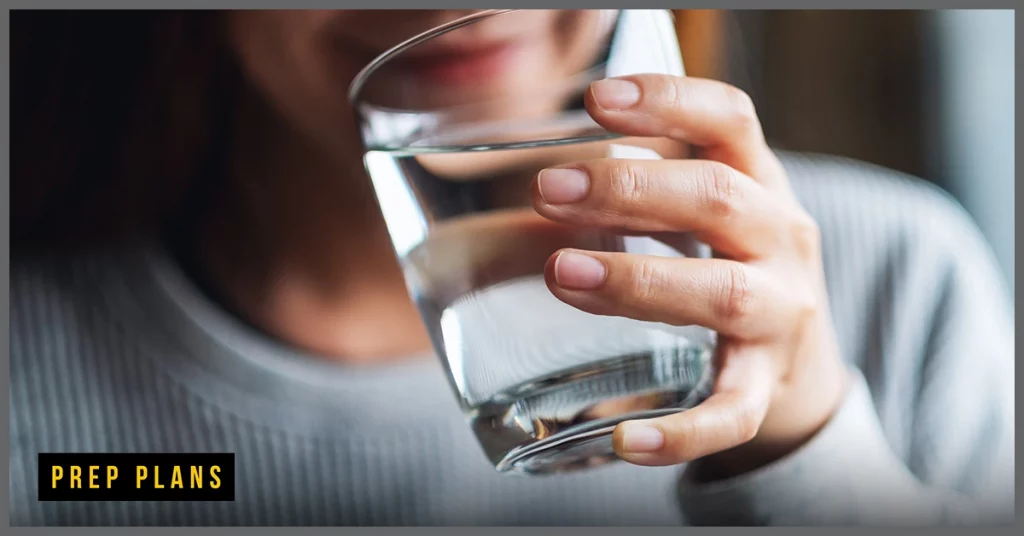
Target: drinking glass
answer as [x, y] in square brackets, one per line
[456, 122]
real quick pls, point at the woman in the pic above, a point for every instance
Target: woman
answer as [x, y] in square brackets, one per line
[200, 266]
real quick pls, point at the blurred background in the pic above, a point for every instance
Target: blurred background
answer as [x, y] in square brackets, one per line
[930, 93]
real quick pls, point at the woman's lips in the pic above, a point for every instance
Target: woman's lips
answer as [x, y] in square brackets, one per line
[459, 67]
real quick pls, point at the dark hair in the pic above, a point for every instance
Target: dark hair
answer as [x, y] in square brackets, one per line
[114, 117]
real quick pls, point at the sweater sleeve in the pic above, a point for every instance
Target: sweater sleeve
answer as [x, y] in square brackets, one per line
[958, 468]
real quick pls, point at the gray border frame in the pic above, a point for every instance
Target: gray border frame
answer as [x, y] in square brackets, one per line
[336, 4]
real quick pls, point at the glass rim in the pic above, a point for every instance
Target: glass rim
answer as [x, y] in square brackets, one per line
[369, 113]
[356, 87]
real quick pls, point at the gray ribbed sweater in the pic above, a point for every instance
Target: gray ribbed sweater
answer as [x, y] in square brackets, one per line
[117, 351]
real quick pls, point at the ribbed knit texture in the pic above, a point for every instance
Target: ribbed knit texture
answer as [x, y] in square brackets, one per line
[115, 351]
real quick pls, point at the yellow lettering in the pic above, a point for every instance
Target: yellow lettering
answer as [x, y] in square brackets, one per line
[76, 477]
[140, 475]
[93, 476]
[197, 477]
[58, 473]
[216, 479]
[111, 474]
[176, 477]
[156, 478]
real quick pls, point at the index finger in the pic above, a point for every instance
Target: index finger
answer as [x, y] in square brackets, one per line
[715, 116]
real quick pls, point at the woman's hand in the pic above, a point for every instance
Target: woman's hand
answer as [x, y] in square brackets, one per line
[781, 376]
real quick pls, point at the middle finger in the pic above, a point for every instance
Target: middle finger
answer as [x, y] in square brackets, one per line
[721, 206]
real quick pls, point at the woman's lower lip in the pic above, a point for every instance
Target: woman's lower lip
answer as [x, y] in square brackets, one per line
[458, 69]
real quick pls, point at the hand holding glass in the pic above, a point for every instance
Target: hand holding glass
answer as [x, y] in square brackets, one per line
[451, 148]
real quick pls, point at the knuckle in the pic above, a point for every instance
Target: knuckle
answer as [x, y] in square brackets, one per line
[629, 183]
[799, 296]
[644, 280]
[666, 91]
[690, 438]
[806, 236]
[674, 93]
[743, 106]
[736, 300]
[805, 306]
[747, 422]
[718, 189]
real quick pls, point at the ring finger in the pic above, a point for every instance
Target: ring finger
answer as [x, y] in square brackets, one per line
[729, 297]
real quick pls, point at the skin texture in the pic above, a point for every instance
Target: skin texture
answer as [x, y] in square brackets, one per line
[781, 376]
[278, 247]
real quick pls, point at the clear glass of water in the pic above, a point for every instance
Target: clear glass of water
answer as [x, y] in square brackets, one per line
[456, 123]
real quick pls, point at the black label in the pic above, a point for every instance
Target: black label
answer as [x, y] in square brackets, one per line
[136, 477]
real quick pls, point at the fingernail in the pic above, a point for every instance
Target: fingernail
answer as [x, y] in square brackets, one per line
[612, 94]
[641, 438]
[578, 272]
[561, 186]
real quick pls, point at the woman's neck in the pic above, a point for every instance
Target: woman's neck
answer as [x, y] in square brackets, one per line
[295, 246]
